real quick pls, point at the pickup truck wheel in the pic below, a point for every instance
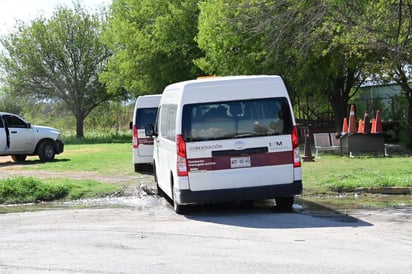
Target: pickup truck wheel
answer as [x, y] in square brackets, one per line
[46, 151]
[19, 158]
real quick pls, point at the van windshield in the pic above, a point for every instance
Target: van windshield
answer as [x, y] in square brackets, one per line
[145, 116]
[236, 119]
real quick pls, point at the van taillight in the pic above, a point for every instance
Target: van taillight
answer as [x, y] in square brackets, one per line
[135, 140]
[181, 156]
[295, 146]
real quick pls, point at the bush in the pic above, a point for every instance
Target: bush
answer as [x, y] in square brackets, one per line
[28, 190]
[99, 137]
[406, 135]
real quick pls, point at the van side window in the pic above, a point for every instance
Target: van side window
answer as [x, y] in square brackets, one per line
[168, 122]
[236, 119]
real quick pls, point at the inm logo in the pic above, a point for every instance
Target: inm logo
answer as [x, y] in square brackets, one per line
[276, 144]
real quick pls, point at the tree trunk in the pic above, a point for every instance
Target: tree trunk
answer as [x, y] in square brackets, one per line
[409, 119]
[403, 82]
[339, 111]
[339, 104]
[79, 126]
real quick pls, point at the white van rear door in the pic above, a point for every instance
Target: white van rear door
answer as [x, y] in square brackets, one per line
[238, 163]
[145, 144]
[143, 117]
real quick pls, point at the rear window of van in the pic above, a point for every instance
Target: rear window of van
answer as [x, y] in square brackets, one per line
[145, 116]
[236, 119]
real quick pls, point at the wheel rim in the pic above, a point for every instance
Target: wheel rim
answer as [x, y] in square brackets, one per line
[49, 152]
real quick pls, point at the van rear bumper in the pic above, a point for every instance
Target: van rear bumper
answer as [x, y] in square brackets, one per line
[239, 194]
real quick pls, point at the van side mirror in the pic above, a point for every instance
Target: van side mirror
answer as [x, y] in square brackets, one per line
[28, 125]
[149, 130]
[131, 125]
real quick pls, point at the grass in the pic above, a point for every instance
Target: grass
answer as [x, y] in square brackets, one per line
[327, 176]
[98, 137]
[105, 159]
[28, 189]
[337, 174]
[79, 189]
[100, 160]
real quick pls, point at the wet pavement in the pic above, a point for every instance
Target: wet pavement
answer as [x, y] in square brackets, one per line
[142, 234]
[143, 197]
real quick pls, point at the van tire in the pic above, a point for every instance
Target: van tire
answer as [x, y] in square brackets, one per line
[179, 209]
[160, 192]
[142, 167]
[284, 203]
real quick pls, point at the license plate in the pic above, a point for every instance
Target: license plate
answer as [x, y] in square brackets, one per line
[240, 162]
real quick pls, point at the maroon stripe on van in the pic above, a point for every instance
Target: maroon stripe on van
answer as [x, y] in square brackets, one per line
[233, 162]
[146, 141]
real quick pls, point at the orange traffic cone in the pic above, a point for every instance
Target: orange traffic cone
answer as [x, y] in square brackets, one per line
[366, 123]
[378, 127]
[373, 130]
[345, 126]
[352, 120]
[360, 126]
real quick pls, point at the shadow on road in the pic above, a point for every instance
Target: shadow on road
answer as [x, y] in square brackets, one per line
[305, 214]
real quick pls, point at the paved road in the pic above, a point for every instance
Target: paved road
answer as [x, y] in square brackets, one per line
[150, 238]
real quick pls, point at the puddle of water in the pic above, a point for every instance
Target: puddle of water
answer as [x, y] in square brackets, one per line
[360, 201]
[146, 198]
[140, 199]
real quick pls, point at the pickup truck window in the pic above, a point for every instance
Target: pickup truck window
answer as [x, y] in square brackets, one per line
[14, 122]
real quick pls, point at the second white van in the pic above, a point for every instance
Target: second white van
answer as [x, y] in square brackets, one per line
[226, 139]
[145, 112]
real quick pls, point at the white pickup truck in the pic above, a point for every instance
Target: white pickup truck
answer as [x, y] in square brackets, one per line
[19, 139]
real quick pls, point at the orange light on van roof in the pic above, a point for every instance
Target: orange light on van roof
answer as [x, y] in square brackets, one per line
[205, 77]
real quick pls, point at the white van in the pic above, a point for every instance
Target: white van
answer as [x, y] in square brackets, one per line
[226, 139]
[145, 112]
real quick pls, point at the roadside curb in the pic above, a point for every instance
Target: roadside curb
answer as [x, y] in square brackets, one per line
[386, 190]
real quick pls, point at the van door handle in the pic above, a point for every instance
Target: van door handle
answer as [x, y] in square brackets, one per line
[13, 132]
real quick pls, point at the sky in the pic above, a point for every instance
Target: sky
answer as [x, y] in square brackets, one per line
[27, 10]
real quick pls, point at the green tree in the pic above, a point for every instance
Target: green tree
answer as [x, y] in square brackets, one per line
[299, 40]
[388, 30]
[152, 43]
[8, 103]
[382, 36]
[229, 46]
[58, 59]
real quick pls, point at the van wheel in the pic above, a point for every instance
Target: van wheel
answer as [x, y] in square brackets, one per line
[179, 209]
[285, 203]
[160, 192]
[46, 151]
[19, 158]
[142, 168]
